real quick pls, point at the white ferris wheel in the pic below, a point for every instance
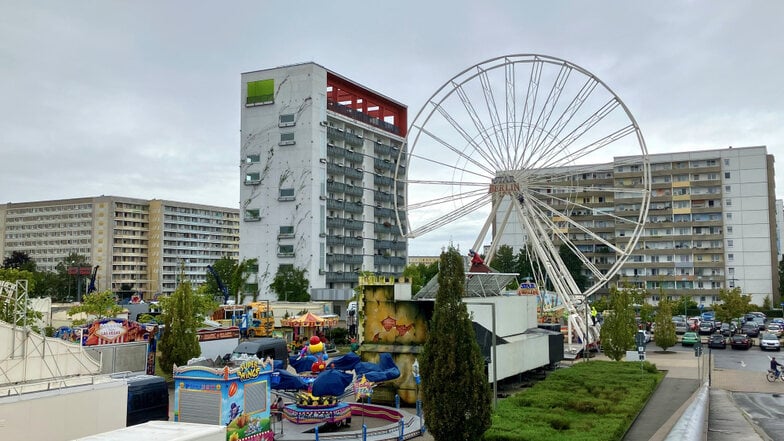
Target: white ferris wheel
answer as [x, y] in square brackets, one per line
[524, 145]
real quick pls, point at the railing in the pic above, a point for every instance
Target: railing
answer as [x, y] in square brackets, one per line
[359, 116]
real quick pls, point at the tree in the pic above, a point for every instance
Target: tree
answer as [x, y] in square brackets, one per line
[97, 304]
[234, 276]
[456, 394]
[665, 329]
[574, 265]
[504, 260]
[619, 327]
[181, 315]
[524, 264]
[414, 273]
[291, 285]
[19, 260]
[733, 304]
[767, 305]
[684, 305]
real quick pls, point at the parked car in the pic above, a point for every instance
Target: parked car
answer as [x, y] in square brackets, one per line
[769, 341]
[775, 329]
[778, 320]
[681, 326]
[727, 329]
[740, 341]
[706, 327]
[750, 329]
[717, 341]
[690, 339]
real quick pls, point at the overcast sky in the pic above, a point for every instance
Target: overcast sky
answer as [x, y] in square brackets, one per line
[142, 99]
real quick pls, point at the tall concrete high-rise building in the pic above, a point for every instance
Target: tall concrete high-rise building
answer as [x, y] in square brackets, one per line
[711, 224]
[318, 155]
[144, 244]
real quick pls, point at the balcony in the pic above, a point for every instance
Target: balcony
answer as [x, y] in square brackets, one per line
[335, 169]
[383, 164]
[351, 259]
[341, 277]
[382, 196]
[354, 173]
[335, 151]
[383, 180]
[386, 227]
[363, 117]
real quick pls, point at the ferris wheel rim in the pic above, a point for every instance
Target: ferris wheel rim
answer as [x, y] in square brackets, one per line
[476, 71]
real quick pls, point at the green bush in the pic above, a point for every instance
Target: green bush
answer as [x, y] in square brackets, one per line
[591, 401]
[338, 336]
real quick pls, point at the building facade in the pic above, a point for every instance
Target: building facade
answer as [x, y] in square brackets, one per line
[318, 157]
[711, 223]
[136, 242]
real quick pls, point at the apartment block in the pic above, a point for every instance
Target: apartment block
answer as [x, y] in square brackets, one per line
[317, 162]
[142, 243]
[711, 224]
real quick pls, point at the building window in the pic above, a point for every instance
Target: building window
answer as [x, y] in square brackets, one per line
[730, 243]
[252, 215]
[729, 227]
[286, 194]
[260, 92]
[727, 175]
[287, 139]
[285, 250]
[287, 120]
[728, 188]
[729, 215]
[730, 257]
[252, 159]
[726, 162]
[728, 202]
[286, 231]
[252, 178]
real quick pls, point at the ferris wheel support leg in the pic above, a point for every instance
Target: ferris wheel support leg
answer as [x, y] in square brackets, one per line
[485, 229]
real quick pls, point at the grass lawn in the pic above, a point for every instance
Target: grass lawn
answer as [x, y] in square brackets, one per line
[590, 401]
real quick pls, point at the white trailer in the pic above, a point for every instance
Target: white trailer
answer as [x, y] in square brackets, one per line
[163, 431]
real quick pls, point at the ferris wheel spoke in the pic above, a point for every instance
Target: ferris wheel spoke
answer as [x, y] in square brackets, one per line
[492, 110]
[529, 106]
[451, 217]
[491, 147]
[446, 199]
[490, 172]
[511, 110]
[477, 148]
[575, 224]
[569, 112]
[576, 133]
[549, 106]
[581, 188]
[568, 203]
[445, 183]
[566, 241]
[592, 147]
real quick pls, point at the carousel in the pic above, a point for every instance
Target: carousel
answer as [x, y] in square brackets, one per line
[307, 325]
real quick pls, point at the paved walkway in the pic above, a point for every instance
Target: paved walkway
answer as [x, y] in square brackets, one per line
[726, 420]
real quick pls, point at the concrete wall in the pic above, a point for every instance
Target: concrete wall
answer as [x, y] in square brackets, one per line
[66, 413]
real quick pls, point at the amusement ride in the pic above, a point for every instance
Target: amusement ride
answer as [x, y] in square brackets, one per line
[519, 141]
